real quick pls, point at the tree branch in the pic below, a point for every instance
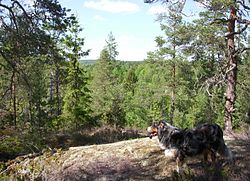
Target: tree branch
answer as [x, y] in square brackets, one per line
[219, 20]
[231, 68]
[14, 67]
[24, 11]
[215, 81]
[241, 50]
[242, 21]
[242, 3]
[152, 1]
[12, 14]
[238, 32]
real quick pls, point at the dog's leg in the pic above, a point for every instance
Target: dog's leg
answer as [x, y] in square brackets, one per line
[179, 163]
[170, 153]
[205, 155]
[213, 156]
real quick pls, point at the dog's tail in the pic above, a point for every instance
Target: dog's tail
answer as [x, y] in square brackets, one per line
[225, 151]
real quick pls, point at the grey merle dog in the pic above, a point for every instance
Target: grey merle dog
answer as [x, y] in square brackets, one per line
[205, 139]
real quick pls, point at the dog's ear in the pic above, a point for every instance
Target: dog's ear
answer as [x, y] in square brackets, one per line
[154, 124]
[162, 124]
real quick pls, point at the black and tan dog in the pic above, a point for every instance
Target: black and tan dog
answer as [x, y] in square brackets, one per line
[205, 139]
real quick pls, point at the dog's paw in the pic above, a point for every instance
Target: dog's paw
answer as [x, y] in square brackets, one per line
[170, 153]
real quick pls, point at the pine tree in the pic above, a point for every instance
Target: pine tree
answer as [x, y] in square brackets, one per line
[26, 46]
[237, 11]
[170, 46]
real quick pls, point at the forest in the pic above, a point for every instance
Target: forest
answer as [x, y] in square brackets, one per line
[199, 73]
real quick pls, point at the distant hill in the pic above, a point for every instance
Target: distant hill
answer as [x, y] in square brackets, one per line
[93, 61]
[88, 62]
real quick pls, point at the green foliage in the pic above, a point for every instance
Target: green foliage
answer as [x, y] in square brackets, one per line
[217, 5]
[43, 84]
[242, 113]
[101, 83]
[111, 47]
[12, 146]
[76, 109]
[108, 92]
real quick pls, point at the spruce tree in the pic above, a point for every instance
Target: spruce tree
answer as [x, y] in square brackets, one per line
[107, 92]
[77, 98]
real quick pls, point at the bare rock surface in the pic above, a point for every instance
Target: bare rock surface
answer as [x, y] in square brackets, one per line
[138, 159]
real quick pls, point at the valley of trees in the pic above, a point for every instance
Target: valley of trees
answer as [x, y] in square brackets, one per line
[199, 73]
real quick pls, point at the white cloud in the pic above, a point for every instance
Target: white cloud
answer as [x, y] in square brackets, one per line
[132, 48]
[113, 6]
[30, 2]
[99, 18]
[129, 46]
[125, 39]
[157, 9]
[66, 1]
[96, 47]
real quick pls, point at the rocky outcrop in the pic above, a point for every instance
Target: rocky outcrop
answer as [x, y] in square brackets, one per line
[138, 159]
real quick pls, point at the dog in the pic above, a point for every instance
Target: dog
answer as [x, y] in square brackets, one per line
[205, 139]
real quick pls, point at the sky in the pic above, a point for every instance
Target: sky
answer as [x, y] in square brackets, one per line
[132, 22]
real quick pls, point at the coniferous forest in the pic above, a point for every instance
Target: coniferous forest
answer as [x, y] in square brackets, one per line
[199, 73]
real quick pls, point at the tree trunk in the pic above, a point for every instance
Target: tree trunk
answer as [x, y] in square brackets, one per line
[173, 92]
[172, 106]
[13, 95]
[58, 99]
[51, 93]
[230, 94]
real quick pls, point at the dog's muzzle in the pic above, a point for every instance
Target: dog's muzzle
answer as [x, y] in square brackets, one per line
[152, 132]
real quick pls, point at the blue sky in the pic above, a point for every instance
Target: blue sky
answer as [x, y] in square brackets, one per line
[132, 23]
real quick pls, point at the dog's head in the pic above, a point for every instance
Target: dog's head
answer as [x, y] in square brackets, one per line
[153, 130]
[160, 129]
[168, 135]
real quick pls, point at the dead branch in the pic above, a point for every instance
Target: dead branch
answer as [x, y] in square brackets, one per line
[24, 11]
[11, 13]
[231, 68]
[219, 20]
[238, 32]
[242, 3]
[214, 81]
[240, 50]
